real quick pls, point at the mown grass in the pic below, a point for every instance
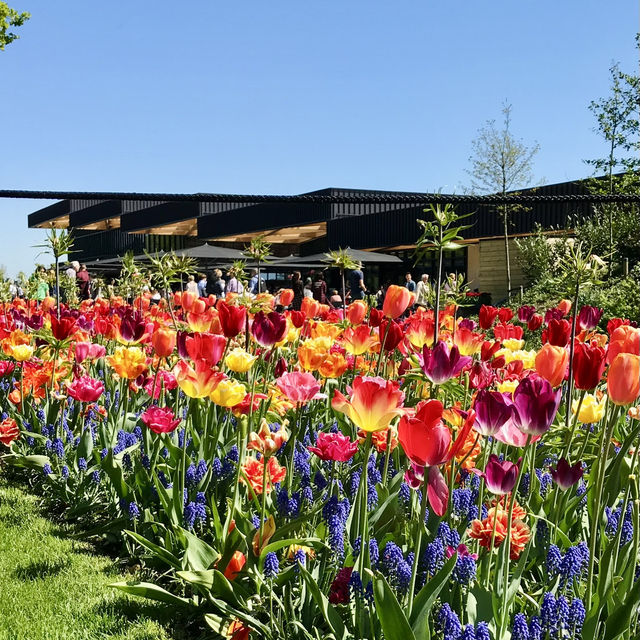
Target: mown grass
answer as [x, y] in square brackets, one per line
[56, 588]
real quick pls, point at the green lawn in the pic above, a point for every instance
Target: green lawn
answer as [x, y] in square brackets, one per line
[55, 588]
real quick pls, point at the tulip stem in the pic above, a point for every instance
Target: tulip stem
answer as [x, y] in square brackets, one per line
[507, 540]
[384, 341]
[265, 469]
[364, 539]
[574, 318]
[570, 434]
[387, 455]
[602, 455]
[416, 558]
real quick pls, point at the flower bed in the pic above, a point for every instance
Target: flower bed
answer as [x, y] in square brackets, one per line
[284, 475]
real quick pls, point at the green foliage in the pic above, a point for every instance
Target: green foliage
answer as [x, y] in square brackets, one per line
[258, 249]
[9, 19]
[541, 253]
[69, 288]
[57, 243]
[340, 259]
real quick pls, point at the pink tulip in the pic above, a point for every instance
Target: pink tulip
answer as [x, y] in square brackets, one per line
[85, 389]
[298, 387]
[334, 446]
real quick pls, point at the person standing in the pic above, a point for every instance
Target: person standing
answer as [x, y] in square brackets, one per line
[298, 290]
[308, 290]
[356, 284]
[72, 269]
[233, 284]
[218, 286]
[423, 291]
[409, 283]
[42, 290]
[83, 279]
[320, 289]
[202, 286]
[254, 283]
[192, 286]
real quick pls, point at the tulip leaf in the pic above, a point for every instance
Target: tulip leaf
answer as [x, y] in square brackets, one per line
[620, 620]
[30, 462]
[85, 447]
[159, 552]
[115, 473]
[151, 592]
[426, 597]
[394, 623]
[198, 555]
[279, 544]
[326, 608]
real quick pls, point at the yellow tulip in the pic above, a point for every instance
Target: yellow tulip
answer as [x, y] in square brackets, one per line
[22, 352]
[128, 362]
[507, 386]
[239, 361]
[591, 410]
[228, 393]
[513, 344]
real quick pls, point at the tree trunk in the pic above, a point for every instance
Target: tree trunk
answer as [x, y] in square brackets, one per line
[505, 219]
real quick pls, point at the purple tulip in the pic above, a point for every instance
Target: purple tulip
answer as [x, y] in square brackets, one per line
[536, 405]
[566, 475]
[414, 475]
[467, 323]
[500, 477]
[589, 317]
[525, 313]
[439, 364]
[493, 410]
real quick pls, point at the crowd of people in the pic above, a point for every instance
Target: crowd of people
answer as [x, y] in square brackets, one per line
[312, 285]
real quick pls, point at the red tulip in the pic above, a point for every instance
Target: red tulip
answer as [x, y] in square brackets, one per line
[558, 332]
[588, 365]
[8, 431]
[375, 317]
[504, 331]
[394, 334]
[487, 316]
[232, 319]
[297, 318]
[589, 317]
[535, 322]
[205, 346]
[505, 314]
[63, 328]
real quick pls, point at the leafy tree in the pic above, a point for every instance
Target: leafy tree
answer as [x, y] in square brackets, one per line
[9, 19]
[501, 163]
[57, 245]
[341, 259]
[618, 122]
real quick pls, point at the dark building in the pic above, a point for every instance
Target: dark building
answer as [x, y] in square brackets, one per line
[107, 228]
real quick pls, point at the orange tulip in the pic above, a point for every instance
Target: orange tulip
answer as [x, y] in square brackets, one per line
[187, 299]
[312, 353]
[624, 339]
[286, 297]
[198, 382]
[564, 306]
[238, 560]
[310, 307]
[551, 363]
[325, 329]
[333, 365]
[357, 311]
[396, 301]
[358, 340]
[623, 379]
[128, 362]
[163, 340]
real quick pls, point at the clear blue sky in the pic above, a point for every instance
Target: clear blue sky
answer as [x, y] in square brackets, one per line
[290, 96]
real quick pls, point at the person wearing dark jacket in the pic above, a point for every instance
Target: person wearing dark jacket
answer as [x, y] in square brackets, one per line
[217, 285]
[298, 290]
[319, 289]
